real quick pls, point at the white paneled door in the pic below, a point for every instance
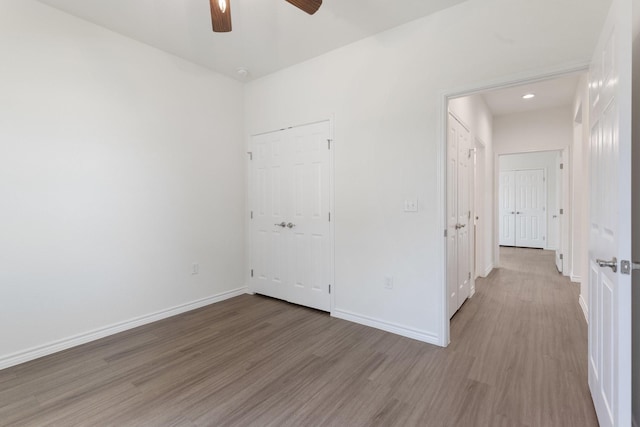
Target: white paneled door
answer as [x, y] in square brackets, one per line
[290, 225]
[507, 210]
[523, 208]
[556, 218]
[610, 221]
[459, 174]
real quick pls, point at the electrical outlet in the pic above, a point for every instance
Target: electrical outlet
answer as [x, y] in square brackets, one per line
[411, 205]
[195, 268]
[388, 282]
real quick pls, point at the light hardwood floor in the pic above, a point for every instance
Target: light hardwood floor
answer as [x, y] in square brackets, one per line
[517, 358]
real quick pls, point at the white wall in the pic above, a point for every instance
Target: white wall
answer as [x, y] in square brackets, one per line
[474, 113]
[120, 166]
[546, 160]
[385, 94]
[541, 130]
[580, 192]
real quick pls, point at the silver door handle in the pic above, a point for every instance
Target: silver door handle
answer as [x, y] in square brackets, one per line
[518, 213]
[459, 226]
[613, 264]
[290, 225]
[282, 224]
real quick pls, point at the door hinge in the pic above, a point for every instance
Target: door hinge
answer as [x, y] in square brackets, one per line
[469, 275]
[469, 214]
[626, 267]
[329, 144]
[445, 233]
[251, 214]
[561, 165]
[251, 272]
[250, 155]
[561, 256]
[561, 211]
[329, 288]
[329, 216]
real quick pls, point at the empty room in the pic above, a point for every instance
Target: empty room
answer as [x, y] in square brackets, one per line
[288, 213]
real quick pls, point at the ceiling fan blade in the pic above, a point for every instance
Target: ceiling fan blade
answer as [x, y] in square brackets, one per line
[309, 6]
[221, 15]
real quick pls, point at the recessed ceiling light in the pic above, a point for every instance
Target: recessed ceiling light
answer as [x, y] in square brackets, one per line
[529, 96]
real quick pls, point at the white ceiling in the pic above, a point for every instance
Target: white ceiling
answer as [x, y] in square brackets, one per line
[267, 35]
[558, 92]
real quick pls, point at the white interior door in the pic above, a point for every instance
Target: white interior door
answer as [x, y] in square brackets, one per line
[610, 220]
[464, 215]
[271, 189]
[531, 215]
[557, 216]
[309, 213]
[458, 214]
[507, 210]
[291, 235]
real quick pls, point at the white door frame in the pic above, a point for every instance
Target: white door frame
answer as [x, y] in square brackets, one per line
[443, 109]
[249, 204]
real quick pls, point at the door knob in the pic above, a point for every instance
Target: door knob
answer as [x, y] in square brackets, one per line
[290, 225]
[282, 224]
[613, 264]
[513, 212]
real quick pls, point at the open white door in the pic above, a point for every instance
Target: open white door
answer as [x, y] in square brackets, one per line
[610, 220]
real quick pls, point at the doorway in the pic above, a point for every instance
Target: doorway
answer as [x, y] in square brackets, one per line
[531, 210]
[496, 126]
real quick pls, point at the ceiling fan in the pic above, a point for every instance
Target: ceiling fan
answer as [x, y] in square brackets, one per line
[221, 12]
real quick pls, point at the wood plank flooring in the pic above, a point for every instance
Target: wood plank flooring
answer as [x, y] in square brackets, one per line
[517, 358]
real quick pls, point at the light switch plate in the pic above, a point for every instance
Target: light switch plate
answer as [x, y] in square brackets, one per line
[411, 205]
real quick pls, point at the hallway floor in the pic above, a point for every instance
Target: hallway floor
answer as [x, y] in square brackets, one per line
[517, 358]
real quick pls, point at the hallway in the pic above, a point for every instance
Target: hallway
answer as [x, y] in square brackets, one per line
[527, 337]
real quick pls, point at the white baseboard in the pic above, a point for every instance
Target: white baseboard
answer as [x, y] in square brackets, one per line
[65, 343]
[488, 270]
[576, 279]
[585, 309]
[415, 334]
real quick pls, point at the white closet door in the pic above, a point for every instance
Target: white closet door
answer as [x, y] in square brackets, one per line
[291, 238]
[308, 222]
[531, 209]
[464, 215]
[507, 211]
[458, 208]
[452, 214]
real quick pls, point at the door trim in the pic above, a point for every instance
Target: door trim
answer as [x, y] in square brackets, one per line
[441, 155]
[249, 205]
